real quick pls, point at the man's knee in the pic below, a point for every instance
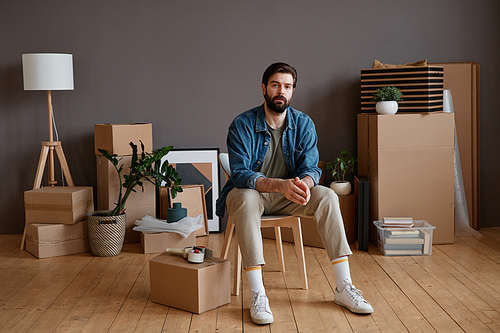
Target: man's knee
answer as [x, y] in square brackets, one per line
[325, 195]
[244, 199]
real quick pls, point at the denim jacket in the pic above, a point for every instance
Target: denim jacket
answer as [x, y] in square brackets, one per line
[247, 144]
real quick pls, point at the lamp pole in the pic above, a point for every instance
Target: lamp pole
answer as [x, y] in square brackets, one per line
[51, 180]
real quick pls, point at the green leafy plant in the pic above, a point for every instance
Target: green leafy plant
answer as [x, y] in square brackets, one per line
[341, 165]
[387, 93]
[144, 167]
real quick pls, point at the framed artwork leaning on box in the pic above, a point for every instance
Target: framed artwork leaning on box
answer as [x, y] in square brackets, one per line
[199, 166]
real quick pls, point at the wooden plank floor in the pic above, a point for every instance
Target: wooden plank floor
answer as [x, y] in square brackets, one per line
[456, 289]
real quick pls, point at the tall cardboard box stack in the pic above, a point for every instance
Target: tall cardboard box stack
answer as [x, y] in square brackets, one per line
[409, 159]
[56, 220]
[115, 138]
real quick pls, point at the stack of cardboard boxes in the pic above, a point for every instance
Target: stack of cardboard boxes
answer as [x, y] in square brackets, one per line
[115, 138]
[56, 220]
[408, 157]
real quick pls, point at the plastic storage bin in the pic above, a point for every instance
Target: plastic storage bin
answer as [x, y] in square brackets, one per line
[413, 241]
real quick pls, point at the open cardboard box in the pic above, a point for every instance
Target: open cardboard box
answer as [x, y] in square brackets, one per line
[158, 242]
[192, 287]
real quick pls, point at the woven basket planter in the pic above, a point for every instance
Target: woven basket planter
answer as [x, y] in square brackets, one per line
[106, 233]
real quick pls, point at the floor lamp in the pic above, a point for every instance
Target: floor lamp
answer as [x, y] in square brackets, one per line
[49, 71]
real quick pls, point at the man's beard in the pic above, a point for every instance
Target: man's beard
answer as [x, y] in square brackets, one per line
[273, 106]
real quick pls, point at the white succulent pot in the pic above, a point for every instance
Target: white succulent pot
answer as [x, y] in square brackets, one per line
[386, 107]
[341, 188]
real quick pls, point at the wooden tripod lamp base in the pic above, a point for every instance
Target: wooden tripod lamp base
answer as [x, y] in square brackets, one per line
[48, 152]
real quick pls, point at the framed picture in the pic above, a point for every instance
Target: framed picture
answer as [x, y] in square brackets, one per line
[199, 167]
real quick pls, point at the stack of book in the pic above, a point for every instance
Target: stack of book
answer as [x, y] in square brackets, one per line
[403, 242]
[398, 222]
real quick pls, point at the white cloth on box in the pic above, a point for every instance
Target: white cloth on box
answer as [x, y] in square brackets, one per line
[183, 227]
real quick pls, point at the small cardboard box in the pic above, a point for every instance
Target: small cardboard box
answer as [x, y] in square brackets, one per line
[139, 203]
[192, 287]
[58, 204]
[310, 235]
[409, 159]
[415, 241]
[157, 242]
[115, 138]
[52, 240]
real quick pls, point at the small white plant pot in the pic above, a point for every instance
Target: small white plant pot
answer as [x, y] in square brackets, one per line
[386, 107]
[341, 188]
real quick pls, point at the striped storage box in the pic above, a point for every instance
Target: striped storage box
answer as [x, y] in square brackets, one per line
[422, 87]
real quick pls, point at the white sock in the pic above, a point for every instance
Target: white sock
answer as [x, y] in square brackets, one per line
[254, 276]
[341, 270]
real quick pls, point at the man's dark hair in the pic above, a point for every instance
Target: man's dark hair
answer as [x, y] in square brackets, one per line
[279, 67]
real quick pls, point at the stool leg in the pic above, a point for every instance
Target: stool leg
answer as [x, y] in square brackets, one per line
[299, 249]
[237, 270]
[279, 247]
[228, 236]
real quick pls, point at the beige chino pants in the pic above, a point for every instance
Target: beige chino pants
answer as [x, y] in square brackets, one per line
[247, 206]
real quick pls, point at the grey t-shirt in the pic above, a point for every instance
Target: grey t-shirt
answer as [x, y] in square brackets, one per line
[273, 165]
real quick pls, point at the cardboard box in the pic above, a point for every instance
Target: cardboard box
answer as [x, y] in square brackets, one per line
[52, 240]
[409, 159]
[415, 241]
[192, 287]
[158, 242]
[310, 235]
[422, 87]
[462, 78]
[58, 204]
[139, 203]
[115, 138]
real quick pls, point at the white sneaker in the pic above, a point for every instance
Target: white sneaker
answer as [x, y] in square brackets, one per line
[259, 309]
[352, 298]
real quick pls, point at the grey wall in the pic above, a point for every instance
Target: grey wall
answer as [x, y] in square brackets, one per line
[189, 67]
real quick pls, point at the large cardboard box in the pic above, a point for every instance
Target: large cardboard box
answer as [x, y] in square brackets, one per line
[52, 240]
[310, 235]
[58, 204]
[139, 203]
[462, 78]
[192, 287]
[115, 138]
[158, 242]
[409, 159]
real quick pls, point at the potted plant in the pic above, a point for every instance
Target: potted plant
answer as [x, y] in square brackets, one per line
[339, 168]
[106, 228]
[387, 99]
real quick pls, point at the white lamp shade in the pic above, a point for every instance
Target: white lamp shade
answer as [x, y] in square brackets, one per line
[48, 71]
